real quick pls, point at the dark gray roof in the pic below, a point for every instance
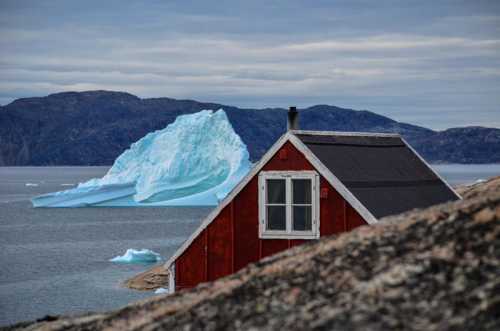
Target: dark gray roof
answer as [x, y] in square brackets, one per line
[381, 171]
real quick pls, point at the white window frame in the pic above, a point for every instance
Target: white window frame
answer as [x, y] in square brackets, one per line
[289, 233]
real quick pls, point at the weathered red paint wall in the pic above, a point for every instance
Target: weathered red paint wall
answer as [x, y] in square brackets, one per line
[232, 241]
[246, 230]
[190, 268]
[220, 246]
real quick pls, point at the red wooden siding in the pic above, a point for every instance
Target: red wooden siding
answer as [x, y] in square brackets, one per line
[273, 246]
[232, 241]
[220, 246]
[353, 219]
[246, 227]
[188, 274]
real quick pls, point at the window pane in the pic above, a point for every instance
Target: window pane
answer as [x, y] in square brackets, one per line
[301, 190]
[302, 218]
[276, 191]
[276, 218]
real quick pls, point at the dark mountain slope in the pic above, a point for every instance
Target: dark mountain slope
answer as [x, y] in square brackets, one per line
[461, 145]
[93, 128]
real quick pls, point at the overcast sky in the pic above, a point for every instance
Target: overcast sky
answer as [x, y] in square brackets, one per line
[432, 63]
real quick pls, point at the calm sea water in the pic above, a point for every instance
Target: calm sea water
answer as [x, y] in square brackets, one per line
[55, 261]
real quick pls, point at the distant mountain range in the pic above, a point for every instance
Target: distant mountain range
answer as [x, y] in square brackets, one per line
[94, 127]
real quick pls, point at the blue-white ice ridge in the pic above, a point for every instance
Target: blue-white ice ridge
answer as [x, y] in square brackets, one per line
[138, 256]
[195, 161]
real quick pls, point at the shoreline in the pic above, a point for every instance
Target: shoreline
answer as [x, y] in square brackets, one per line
[149, 280]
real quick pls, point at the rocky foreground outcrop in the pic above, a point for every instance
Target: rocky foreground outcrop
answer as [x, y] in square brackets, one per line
[436, 269]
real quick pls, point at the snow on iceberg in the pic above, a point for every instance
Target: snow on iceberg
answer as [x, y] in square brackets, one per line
[195, 161]
[137, 256]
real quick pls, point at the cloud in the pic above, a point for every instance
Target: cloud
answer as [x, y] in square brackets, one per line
[271, 54]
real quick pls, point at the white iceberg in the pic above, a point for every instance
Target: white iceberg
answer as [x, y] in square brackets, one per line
[138, 256]
[195, 161]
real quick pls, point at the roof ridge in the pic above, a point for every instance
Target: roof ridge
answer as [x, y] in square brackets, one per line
[345, 133]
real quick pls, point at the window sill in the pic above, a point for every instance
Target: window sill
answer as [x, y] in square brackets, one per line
[289, 236]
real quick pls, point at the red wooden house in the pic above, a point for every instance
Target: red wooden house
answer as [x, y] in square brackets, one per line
[309, 184]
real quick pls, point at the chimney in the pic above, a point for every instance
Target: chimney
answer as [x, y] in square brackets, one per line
[293, 119]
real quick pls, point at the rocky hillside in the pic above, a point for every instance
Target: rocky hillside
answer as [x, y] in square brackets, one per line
[460, 145]
[93, 128]
[436, 269]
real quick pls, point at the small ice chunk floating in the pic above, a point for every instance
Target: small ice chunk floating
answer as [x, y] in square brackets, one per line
[195, 161]
[138, 256]
[161, 290]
